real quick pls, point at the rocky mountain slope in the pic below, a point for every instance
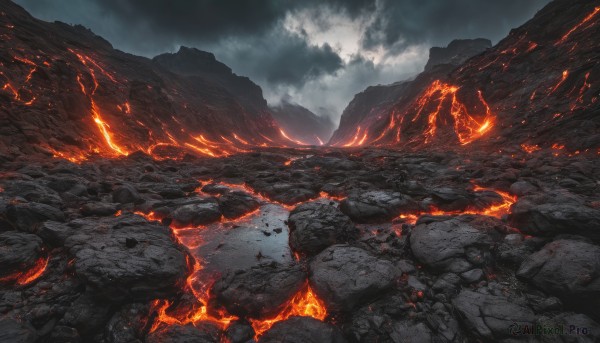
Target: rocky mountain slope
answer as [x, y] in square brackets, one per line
[302, 124]
[370, 108]
[531, 88]
[67, 92]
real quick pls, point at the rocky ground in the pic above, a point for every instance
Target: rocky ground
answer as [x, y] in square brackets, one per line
[302, 246]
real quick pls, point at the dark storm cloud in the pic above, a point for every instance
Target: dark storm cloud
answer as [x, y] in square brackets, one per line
[153, 26]
[200, 19]
[282, 58]
[400, 24]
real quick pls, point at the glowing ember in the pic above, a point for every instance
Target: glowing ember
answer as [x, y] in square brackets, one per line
[304, 303]
[530, 148]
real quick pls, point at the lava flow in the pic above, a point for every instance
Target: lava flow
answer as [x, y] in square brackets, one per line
[199, 288]
[23, 278]
[579, 25]
[304, 303]
[466, 126]
[495, 210]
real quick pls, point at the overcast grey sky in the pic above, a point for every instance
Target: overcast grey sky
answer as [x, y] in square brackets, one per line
[320, 53]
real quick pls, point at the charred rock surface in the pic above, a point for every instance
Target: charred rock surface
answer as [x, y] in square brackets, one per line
[302, 329]
[444, 258]
[260, 291]
[316, 226]
[267, 244]
[345, 276]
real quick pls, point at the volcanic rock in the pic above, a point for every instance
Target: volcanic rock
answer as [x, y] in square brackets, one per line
[128, 324]
[515, 248]
[376, 206]
[28, 216]
[32, 191]
[490, 316]
[572, 323]
[100, 209]
[198, 213]
[457, 52]
[190, 333]
[126, 194]
[87, 314]
[555, 216]
[456, 244]
[111, 269]
[567, 268]
[406, 331]
[315, 226]
[449, 199]
[302, 330]
[15, 331]
[18, 251]
[56, 233]
[239, 332]
[62, 333]
[236, 204]
[522, 188]
[344, 276]
[260, 291]
[302, 124]
[289, 194]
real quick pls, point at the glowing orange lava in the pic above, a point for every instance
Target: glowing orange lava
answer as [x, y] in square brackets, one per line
[579, 25]
[325, 195]
[497, 210]
[304, 303]
[565, 74]
[28, 276]
[198, 287]
[358, 140]
[466, 126]
[285, 135]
